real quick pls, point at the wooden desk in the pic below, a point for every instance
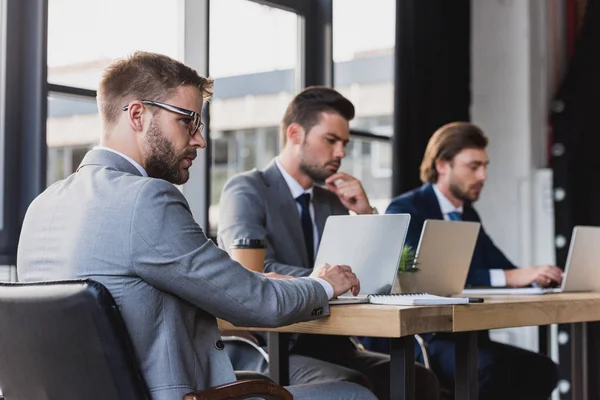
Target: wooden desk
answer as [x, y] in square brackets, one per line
[507, 311]
[370, 320]
[400, 324]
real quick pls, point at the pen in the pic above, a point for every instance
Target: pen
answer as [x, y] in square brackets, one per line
[475, 300]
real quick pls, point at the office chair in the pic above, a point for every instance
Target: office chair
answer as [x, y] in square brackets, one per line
[66, 340]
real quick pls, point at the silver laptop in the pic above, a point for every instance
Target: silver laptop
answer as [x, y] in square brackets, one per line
[370, 244]
[444, 256]
[581, 270]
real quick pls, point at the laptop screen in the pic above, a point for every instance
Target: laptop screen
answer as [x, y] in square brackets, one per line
[370, 244]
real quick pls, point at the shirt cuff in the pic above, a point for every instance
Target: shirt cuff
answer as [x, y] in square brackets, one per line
[327, 286]
[497, 277]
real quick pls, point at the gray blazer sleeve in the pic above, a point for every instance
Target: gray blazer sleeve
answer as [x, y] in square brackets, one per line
[170, 251]
[243, 214]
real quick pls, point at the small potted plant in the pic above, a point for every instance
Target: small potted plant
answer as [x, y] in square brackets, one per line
[405, 282]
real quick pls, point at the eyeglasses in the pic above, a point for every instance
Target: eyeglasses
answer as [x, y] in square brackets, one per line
[195, 121]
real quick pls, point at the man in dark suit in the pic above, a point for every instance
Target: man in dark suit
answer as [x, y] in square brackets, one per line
[453, 172]
[285, 205]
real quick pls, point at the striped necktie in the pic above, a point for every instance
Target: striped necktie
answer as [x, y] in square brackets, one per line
[455, 216]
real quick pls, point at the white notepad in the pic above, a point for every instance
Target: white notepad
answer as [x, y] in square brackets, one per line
[415, 299]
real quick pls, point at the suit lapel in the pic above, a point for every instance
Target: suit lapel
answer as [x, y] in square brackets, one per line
[469, 214]
[279, 194]
[430, 202]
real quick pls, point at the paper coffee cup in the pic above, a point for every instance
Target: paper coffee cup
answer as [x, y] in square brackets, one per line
[250, 253]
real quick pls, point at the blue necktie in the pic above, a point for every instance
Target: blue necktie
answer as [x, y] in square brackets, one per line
[307, 227]
[455, 216]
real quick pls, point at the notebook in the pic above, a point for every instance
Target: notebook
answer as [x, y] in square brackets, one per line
[444, 256]
[580, 270]
[416, 299]
[370, 244]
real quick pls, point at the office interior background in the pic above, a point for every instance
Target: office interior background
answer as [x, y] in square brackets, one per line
[521, 69]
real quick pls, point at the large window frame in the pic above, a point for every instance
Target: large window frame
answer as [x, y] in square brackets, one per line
[2, 101]
[317, 47]
[316, 68]
[24, 82]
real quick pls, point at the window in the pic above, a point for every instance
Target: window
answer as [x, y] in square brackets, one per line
[370, 161]
[2, 96]
[364, 72]
[85, 36]
[73, 127]
[79, 48]
[256, 75]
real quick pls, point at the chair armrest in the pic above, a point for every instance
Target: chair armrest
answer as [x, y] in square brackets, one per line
[242, 390]
[241, 334]
[424, 350]
[251, 343]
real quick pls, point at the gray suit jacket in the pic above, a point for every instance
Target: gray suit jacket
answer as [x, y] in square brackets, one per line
[137, 236]
[259, 204]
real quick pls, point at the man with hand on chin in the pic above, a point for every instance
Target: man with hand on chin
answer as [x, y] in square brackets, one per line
[284, 205]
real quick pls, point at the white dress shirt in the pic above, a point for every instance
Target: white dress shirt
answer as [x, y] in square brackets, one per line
[497, 276]
[297, 190]
[131, 160]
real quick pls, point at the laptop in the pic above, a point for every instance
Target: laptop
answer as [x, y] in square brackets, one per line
[444, 256]
[370, 244]
[581, 270]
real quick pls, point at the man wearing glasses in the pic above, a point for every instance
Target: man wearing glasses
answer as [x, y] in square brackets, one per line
[119, 220]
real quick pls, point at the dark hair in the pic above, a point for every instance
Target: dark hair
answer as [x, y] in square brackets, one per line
[144, 76]
[446, 143]
[306, 107]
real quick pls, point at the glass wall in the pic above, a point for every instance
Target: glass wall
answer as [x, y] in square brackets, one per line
[2, 96]
[79, 48]
[256, 71]
[85, 36]
[255, 58]
[73, 127]
[363, 55]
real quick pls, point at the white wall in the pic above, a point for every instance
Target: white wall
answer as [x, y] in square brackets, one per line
[514, 68]
[509, 90]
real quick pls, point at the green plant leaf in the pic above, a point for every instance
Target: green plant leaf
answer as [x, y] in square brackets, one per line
[408, 260]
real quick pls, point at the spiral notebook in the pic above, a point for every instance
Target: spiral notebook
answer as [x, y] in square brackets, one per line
[415, 299]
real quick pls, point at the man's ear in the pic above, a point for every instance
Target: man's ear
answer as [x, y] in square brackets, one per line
[442, 167]
[136, 112]
[295, 133]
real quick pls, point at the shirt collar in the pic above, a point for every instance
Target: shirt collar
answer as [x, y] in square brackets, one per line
[445, 205]
[295, 187]
[131, 160]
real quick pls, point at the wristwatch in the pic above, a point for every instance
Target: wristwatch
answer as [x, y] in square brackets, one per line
[374, 210]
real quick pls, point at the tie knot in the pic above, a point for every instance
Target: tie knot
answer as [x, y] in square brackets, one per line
[455, 215]
[304, 200]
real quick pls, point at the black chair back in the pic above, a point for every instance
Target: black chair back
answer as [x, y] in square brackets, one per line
[65, 340]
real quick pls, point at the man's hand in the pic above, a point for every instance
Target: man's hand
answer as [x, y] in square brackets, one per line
[275, 275]
[543, 275]
[340, 277]
[350, 192]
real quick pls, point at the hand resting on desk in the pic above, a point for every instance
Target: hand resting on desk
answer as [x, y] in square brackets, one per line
[340, 277]
[543, 275]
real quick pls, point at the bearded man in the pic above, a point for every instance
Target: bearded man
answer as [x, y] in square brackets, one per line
[286, 204]
[453, 172]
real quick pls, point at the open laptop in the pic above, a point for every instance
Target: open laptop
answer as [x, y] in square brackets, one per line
[370, 244]
[581, 270]
[444, 256]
